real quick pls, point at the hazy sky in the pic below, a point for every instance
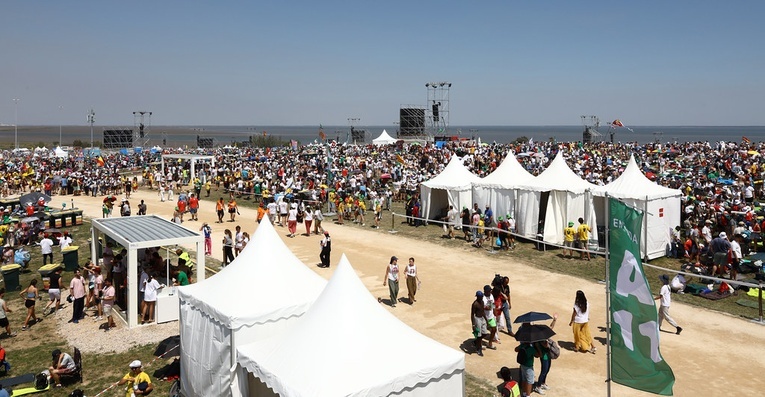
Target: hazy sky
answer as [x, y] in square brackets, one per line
[322, 62]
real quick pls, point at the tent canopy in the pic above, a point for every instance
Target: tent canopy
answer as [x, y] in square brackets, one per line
[558, 176]
[260, 285]
[508, 175]
[306, 361]
[455, 176]
[384, 139]
[632, 183]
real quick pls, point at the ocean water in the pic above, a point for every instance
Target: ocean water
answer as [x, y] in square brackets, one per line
[222, 135]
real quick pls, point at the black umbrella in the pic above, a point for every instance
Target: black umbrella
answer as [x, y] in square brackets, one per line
[530, 317]
[33, 198]
[529, 333]
[169, 347]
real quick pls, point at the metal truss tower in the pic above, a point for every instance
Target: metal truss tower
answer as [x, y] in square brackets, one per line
[437, 108]
[141, 127]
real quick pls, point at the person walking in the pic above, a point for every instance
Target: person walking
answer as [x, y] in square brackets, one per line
[77, 291]
[317, 218]
[391, 280]
[665, 297]
[292, 220]
[543, 347]
[4, 310]
[326, 249]
[478, 322]
[207, 231]
[308, 220]
[219, 206]
[30, 298]
[233, 209]
[580, 323]
[412, 280]
[46, 247]
[54, 291]
[228, 247]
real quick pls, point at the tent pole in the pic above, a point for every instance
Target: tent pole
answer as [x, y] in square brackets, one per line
[645, 229]
[608, 299]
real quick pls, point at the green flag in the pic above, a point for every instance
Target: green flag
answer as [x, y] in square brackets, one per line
[635, 358]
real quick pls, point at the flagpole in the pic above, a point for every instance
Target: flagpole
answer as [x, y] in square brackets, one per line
[608, 299]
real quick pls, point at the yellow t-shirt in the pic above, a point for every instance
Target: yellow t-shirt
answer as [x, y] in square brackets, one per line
[568, 234]
[584, 232]
[140, 378]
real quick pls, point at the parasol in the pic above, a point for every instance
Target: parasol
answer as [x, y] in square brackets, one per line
[530, 333]
[34, 197]
[530, 317]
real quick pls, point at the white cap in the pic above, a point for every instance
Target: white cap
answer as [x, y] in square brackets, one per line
[135, 364]
[723, 235]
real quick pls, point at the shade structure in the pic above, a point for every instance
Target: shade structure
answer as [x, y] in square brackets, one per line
[661, 206]
[453, 186]
[347, 344]
[384, 139]
[498, 190]
[569, 197]
[256, 296]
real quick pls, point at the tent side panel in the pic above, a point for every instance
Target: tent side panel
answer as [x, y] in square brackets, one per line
[255, 387]
[556, 215]
[664, 216]
[205, 354]
[527, 213]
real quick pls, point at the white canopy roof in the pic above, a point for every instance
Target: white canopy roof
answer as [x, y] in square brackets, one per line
[632, 183]
[60, 152]
[348, 345]
[266, 282]
[384, 139]
[508, 175]
[454, 177]
[558, 176]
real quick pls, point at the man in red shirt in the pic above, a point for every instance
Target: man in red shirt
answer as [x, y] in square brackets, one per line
[193, 206]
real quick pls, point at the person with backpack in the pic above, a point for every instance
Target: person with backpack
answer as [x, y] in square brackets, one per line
[548, 350]
[525, 358]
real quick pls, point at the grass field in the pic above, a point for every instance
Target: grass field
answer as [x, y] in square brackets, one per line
[30, 351]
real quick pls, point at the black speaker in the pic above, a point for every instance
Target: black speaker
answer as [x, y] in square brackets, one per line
[435, 111]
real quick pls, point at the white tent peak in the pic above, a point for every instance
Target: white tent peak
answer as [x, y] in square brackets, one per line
[508, 174]
[384, 139]
[303, 361]
[559, 176]
[454, 176]
[633, 183]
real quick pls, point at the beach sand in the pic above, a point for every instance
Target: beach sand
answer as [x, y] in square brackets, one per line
[716, 352]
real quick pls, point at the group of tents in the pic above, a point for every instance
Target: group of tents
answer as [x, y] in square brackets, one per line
[543, 205]
[267, 325]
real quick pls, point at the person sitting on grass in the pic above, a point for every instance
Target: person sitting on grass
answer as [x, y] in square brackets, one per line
[63, 363]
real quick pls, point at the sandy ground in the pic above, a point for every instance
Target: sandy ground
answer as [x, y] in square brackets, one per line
[715, 351]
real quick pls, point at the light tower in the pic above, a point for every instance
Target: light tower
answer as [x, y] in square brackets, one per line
[437, 109]
[141, 127]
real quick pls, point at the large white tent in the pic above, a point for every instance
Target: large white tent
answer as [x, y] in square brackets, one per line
[569, 198]
[384, 139]
[347, 344]
[661, 206]
[453, 186]
[498, 188]
[258, 295]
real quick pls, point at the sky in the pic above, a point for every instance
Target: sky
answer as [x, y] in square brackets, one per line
[323, 62]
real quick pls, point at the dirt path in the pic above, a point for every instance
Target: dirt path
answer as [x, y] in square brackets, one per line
[715, 352]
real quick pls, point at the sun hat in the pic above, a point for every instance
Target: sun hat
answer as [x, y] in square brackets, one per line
[135, 364]
[723, 235]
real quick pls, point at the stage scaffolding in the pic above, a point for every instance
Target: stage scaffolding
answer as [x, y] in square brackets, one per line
[141, 127]
[437, 108]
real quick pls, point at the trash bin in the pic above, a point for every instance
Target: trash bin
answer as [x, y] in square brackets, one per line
[71, 258]
[45, 273]
[11, 276]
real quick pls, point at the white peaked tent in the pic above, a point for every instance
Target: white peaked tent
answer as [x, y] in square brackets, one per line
[453, 186]
[384, 139]
[347, 344]
[498, 189]
[661, 206]
[570, 198]
[60, 153]
[258, 295]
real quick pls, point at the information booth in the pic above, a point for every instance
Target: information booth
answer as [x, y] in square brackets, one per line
[135, 233]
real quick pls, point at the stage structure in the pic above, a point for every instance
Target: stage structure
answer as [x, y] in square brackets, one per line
[437, 108]
[411, 122]
[205, 142]
[591, 125]
[117, 138]
[355, 135]
[142, 127]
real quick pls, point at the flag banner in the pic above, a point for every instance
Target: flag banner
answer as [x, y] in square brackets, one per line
[618, 124]
[635, 358]
[745, 139]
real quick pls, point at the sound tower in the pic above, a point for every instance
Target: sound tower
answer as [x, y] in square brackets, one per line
[118, 139]
[411, 122]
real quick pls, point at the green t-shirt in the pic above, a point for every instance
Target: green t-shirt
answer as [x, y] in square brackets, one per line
[530, 352]
[183, 279]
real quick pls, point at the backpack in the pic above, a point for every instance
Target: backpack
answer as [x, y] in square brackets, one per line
[521, 357]
[41, 381]
[554, 349]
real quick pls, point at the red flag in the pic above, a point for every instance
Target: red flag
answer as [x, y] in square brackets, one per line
[745, 139]
[617, 123]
